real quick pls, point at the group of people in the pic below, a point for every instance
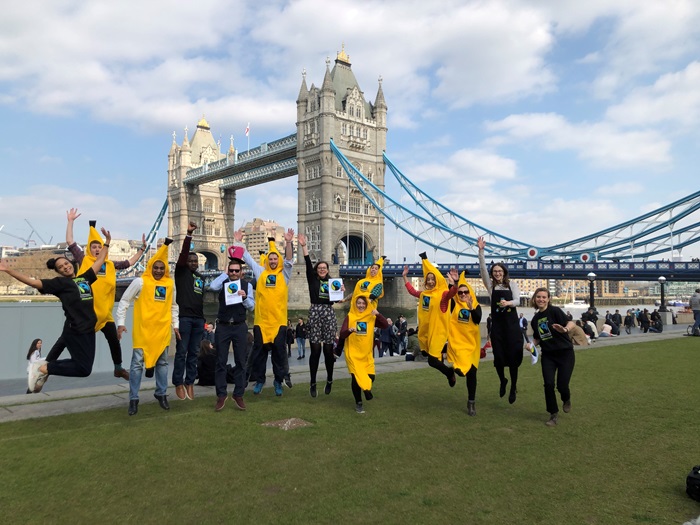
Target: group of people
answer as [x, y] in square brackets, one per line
[449, 315]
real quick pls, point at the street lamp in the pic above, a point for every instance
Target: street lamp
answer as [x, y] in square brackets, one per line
[591, 284]
[662, 282]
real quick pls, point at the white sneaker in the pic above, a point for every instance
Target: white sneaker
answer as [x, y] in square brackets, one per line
[36, 379]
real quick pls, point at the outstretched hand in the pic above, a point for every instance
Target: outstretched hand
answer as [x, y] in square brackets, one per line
[301, 238]
[481, 243]
[191, 228]
[238, 236]
[289, 235]
[72, 214]
[108, 236]
[405, 271]
[452, 276]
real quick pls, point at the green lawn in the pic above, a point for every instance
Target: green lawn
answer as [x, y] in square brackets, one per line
[620, 456]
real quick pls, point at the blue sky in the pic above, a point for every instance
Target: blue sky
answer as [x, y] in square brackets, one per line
[544, 121]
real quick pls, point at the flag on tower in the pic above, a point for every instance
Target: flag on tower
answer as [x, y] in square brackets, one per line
[247, 129]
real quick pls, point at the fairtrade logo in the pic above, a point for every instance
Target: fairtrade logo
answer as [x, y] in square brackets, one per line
[103, 269]
[324, 288]
[335, 285]
[198, 285]
[426, 302]
[364, 286]
[232, 288]
[159, 293]
[361, 327]
[84, 287]
[463, 315]
[271, 280]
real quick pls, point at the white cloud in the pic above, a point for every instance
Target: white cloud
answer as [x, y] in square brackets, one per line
[673, 98]
[600, 143]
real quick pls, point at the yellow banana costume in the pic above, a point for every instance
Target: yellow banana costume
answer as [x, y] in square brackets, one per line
[271, 297]
[373, 286]
[432, 323]
[464, 341]
[104, 288]
[360, 344]
[152, 311]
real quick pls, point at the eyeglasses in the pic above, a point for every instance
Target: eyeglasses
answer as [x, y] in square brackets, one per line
[230, 270]
[463, 292]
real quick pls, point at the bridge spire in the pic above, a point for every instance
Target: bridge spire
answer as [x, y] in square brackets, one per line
[303, 90]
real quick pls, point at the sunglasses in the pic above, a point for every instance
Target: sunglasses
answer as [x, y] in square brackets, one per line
[463, 292]
[234, 271]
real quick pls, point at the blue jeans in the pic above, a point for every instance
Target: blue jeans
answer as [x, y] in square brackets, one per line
[696, 314]
[136, 372]
[301, 346]
[187, 350]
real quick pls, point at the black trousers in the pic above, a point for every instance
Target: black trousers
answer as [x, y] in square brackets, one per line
[225, 336]
[277, 351]
[110, 332]
[81, 348]
[557, 368]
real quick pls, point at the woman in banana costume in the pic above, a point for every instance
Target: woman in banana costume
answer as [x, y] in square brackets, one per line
[464, 337]
[357, 333]
[432, 322]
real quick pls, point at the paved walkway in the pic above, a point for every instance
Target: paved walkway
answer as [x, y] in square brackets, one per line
[100, 391]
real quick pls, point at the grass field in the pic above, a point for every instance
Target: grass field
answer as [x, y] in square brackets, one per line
[621, 456]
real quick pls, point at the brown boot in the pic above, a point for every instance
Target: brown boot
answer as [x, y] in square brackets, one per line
[552, 422]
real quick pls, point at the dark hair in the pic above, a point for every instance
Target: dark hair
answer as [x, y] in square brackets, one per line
[205, 347]
[506, 279]
[32, 348]
[328, 267]
[51, 263]
[532, 300]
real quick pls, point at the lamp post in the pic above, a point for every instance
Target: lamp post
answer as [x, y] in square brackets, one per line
[662, 282]
[591, 284]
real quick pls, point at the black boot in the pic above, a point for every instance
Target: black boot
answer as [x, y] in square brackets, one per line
[133, 406]
[162, 401]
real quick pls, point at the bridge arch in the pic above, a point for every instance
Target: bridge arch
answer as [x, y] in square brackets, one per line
[354, 248]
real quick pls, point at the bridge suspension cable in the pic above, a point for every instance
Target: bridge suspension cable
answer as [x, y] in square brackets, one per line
[150, 239]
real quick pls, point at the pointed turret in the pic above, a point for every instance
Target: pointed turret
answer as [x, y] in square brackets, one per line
[327, 79]
[186, 141]
[303, 91]
[379, 102]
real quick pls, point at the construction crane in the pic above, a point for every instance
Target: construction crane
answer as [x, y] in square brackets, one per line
[37, 234]
[26, 241]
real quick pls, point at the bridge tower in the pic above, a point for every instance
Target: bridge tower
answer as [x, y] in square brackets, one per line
[340, 225]
[205, 204]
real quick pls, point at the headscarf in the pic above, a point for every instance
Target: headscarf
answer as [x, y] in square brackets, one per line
[464, 340]
[153, 310]
[373, 287]
[104, 288]
[432, 322]
[359, 345]
[271, 297]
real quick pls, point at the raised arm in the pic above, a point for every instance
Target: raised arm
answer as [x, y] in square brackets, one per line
[185, 250]
[485, 277]
[301, 239]
[71, 215]
[31, 281]
[288, 245]
[102, 256]
[139, 252]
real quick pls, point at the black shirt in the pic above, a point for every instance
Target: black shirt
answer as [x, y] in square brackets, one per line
[318, 289]
[550, 339]
[76, 299]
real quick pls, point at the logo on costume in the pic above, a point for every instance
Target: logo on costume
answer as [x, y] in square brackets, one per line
[85, 290]
[159, 293]
[324, 287]
[335, 285]
[198, 285]
[361, 328]
[425, 303]
[364, 285]
[103, 270]
[463, 315]
[232, 288]
[271, 281]
[543, 329]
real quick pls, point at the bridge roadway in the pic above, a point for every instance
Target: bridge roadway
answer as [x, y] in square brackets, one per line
[608, 271]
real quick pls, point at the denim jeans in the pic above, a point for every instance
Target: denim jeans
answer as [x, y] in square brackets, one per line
[187, 350]
[696, 315]
[136, 372]
[301, 346]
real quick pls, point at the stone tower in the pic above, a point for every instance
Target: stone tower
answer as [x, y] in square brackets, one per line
[209, 207]
[341, 226]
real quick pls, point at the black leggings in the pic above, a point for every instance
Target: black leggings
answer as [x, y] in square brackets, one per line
[500, 370]
[439, 365]
[471, 383]
[357, 391]
[315, 359]
[110, 331]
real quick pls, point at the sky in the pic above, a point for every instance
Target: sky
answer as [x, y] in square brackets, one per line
[544, 121]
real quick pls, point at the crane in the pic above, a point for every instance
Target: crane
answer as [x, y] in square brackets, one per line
[26, 241]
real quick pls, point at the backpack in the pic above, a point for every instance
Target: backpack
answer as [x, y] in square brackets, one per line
[692, 483]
